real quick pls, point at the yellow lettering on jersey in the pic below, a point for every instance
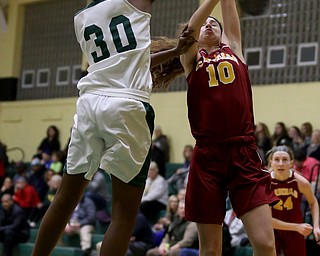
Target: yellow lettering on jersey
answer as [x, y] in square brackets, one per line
[286, 192]
[216, 58]
[225, 56]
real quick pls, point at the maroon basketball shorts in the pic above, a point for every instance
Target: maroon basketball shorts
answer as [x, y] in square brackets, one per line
[226, 170]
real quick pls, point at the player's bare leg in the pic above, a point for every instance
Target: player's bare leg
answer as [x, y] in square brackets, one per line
[258, 224]
[59, 212]
[125, 204]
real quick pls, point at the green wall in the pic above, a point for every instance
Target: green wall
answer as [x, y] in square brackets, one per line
[23, 124]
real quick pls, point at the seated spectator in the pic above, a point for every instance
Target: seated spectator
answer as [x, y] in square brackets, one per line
[26, 196]
[309, 168]
[263, 139]
[97, 191]
[182, 194]
[82, 222]
[280, 135]
[314, 148]
[14, 228]
[160, 150]
[295, 135]
[171, 210]
[141, 239]
[177, 180]
[38, 213]
[21, 169]
[48, 175]
[155, 195]
[181, 234]
[7, 186]
[161, 227]
[51, 142]
[36, 177]
[46, 159]
[56, 164]
[238, 234]
[304, 164]
[306, 130]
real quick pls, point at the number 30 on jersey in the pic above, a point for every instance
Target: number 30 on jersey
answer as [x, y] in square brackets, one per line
[116, 22]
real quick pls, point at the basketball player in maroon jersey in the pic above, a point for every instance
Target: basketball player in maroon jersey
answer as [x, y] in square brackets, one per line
[289, 186]
[220, 113]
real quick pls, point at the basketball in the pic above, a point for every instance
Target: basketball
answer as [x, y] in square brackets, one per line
[254, 7]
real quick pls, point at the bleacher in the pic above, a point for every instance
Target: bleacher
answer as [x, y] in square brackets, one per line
[70, 245]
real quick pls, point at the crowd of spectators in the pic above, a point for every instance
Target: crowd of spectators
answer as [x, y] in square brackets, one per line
[32, 187]
[303, 141]
[28, 188]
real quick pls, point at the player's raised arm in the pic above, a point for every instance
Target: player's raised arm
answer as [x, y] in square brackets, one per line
[231, 26]
[195, 23]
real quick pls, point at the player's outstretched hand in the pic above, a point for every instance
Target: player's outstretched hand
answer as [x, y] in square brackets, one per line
[186, 40]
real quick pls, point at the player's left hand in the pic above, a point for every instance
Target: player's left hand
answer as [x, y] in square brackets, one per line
[186, 40]
[316, 233]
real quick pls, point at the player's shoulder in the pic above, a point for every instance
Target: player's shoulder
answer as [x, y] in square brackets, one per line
[302, 181]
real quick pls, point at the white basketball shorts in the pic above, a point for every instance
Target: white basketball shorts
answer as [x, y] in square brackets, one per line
[111, 132]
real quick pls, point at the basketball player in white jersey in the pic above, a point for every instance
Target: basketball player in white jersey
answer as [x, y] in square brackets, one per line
[114, 121]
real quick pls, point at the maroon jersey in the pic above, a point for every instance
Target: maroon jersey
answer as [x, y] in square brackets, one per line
[288, 208]
[219, 96]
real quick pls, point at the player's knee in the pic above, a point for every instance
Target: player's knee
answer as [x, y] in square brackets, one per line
[264, 247]
[214, 249]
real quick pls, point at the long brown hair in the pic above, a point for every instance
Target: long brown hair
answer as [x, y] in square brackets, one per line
[164, 74]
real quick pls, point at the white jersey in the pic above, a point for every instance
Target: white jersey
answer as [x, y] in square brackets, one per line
[115, 37]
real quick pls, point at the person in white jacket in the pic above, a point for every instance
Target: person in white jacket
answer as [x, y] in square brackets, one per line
[155, 194]
[236, 229]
